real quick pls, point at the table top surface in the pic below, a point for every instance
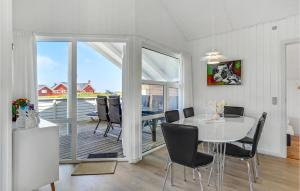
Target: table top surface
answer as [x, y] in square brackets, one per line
[222, 130]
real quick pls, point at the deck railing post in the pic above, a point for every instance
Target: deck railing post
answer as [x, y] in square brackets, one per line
[54, 108]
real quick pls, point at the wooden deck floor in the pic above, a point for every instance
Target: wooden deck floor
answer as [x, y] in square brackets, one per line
[90, 143]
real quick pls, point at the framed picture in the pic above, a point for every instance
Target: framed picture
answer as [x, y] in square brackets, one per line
[225, 73]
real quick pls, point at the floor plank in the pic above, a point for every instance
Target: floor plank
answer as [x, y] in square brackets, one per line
[276, 174]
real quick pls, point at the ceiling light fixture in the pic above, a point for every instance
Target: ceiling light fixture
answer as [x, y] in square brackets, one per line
[213, 56]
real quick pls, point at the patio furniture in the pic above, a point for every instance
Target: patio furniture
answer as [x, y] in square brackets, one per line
[115, 114]
[102, 111]
[150, 118]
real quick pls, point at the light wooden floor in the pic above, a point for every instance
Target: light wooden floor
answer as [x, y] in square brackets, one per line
[276, 174]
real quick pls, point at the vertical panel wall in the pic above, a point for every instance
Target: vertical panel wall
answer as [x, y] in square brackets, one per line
[260, 48]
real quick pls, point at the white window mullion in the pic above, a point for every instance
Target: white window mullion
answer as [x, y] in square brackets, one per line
[72, 97]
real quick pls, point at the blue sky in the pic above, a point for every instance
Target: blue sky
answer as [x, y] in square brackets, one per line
[52, 59]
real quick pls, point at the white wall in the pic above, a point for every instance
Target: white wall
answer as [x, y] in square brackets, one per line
[154, 22]
[105, 17]
[74, 16]
[260, 49]
[293, 81]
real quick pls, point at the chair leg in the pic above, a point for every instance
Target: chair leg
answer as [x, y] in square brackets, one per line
[253, 169]
[97, 126]
[107, 129]
[119, 135]
[257, 159]
[200, 179]
[168, 161]
[194, 178]
[167, 173]
[172, 174]
[52, 186]
[249, 176]
[184, 174]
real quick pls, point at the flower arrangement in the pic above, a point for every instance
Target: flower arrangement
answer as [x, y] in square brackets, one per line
[21, 103]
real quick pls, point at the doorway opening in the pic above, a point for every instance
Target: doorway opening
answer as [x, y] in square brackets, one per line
[73, 75]
[293, 99]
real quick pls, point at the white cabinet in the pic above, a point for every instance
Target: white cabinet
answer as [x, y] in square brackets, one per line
[35, 156]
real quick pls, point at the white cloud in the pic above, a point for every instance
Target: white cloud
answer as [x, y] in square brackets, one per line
[44, 60]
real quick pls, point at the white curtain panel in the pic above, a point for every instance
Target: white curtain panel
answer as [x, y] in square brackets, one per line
[24, 67]
[187, 80]
[131, 69]
[5, 94]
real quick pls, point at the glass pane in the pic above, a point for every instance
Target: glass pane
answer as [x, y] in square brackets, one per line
[159, 67]
[99, 73]
[173, 97]
[152, 98]
[52, 77]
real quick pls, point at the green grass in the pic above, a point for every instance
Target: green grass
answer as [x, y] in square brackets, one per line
[80, 95]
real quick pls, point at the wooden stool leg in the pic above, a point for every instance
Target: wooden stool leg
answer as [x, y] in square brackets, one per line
[52, 186]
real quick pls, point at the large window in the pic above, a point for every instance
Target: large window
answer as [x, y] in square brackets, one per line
[160, 92]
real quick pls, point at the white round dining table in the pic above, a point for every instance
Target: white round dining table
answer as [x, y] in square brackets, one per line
[220, 131]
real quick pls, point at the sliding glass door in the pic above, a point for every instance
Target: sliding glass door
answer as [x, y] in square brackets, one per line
[53, 63]
[71, 74]
[160, 92]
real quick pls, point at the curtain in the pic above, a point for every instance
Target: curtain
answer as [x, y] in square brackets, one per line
[131, 69]
[5, 95]
[24, 67]
[186, 80]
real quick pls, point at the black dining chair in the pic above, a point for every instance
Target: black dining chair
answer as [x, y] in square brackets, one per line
[249, 141]
[188, 112]
[233, 110]
[248, 155]
[115, 114]
[172, 116]
[182, 143]
[102, 110]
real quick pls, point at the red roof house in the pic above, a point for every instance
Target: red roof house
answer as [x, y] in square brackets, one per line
[44, 90]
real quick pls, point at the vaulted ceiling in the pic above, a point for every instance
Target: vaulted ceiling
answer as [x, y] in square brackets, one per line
[194, 18]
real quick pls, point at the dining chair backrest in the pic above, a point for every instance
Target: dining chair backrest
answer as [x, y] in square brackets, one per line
[234, 110]
[172, 116]
[188, 112]
[258, 132]
[115, 111]
[102, 108]
[181, 142]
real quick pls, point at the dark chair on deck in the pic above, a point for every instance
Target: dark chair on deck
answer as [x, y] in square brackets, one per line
[115, 114]
[102, 111]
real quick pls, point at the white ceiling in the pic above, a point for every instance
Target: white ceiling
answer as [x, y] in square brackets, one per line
[194, 18]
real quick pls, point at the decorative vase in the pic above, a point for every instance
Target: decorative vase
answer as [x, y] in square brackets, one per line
[30, 120]
[20, 122]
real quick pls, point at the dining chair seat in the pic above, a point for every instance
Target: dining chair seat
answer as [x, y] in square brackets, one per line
[246, 140]
[238, 152]
[202, 159]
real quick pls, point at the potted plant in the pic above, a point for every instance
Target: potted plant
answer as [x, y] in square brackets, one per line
[21, 103]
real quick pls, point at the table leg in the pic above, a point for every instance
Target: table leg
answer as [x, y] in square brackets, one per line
[220, 162]
[153, 129]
